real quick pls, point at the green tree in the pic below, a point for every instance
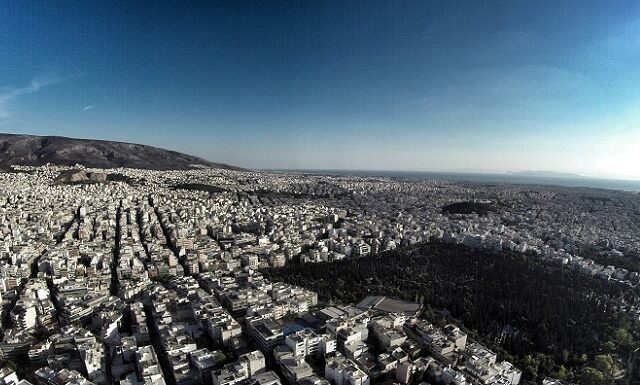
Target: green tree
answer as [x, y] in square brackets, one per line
[546, 362]
[562, 373]
[604, 363]
[592, 376]
[609, 347]
[623, 338]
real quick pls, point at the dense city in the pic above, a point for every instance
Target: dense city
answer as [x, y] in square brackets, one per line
[127, 276]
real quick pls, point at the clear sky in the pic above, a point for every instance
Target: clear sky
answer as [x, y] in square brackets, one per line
[392, 85]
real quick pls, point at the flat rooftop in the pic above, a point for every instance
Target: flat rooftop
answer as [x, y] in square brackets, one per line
[389, 305]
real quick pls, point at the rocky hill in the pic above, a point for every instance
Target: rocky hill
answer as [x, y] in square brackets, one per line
[30, 150]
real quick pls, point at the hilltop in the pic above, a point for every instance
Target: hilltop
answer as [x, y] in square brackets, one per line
[31, 150]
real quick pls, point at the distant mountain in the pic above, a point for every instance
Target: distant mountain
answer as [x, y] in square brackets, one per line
[30, 150]
[546, 174]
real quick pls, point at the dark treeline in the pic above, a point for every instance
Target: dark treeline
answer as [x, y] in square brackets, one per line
[546, 319]
[199, 187]
[468, 207]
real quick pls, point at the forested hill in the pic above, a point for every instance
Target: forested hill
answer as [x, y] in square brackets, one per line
[546, 319]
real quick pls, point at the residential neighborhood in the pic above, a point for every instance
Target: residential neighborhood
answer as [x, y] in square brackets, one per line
[156, 278]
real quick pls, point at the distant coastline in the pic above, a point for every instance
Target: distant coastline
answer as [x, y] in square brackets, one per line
[546, 174]
[525, 178]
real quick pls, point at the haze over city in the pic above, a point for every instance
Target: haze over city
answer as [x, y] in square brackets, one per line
[484, 86]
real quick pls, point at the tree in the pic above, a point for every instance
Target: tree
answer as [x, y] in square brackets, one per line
[609, 347]
[564, 356]
[604, 363]
[623, 338]
[562, 373]
[592, 376]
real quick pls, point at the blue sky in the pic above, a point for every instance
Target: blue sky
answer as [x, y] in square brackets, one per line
[395, 85]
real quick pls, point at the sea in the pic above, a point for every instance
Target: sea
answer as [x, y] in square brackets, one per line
[484, 178]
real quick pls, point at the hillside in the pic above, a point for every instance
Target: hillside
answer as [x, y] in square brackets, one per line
[30, 150]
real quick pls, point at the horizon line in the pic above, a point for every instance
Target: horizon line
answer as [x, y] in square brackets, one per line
[561, 174]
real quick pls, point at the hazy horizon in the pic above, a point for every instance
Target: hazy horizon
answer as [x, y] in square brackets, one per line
[533, 173]
[413, 86]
